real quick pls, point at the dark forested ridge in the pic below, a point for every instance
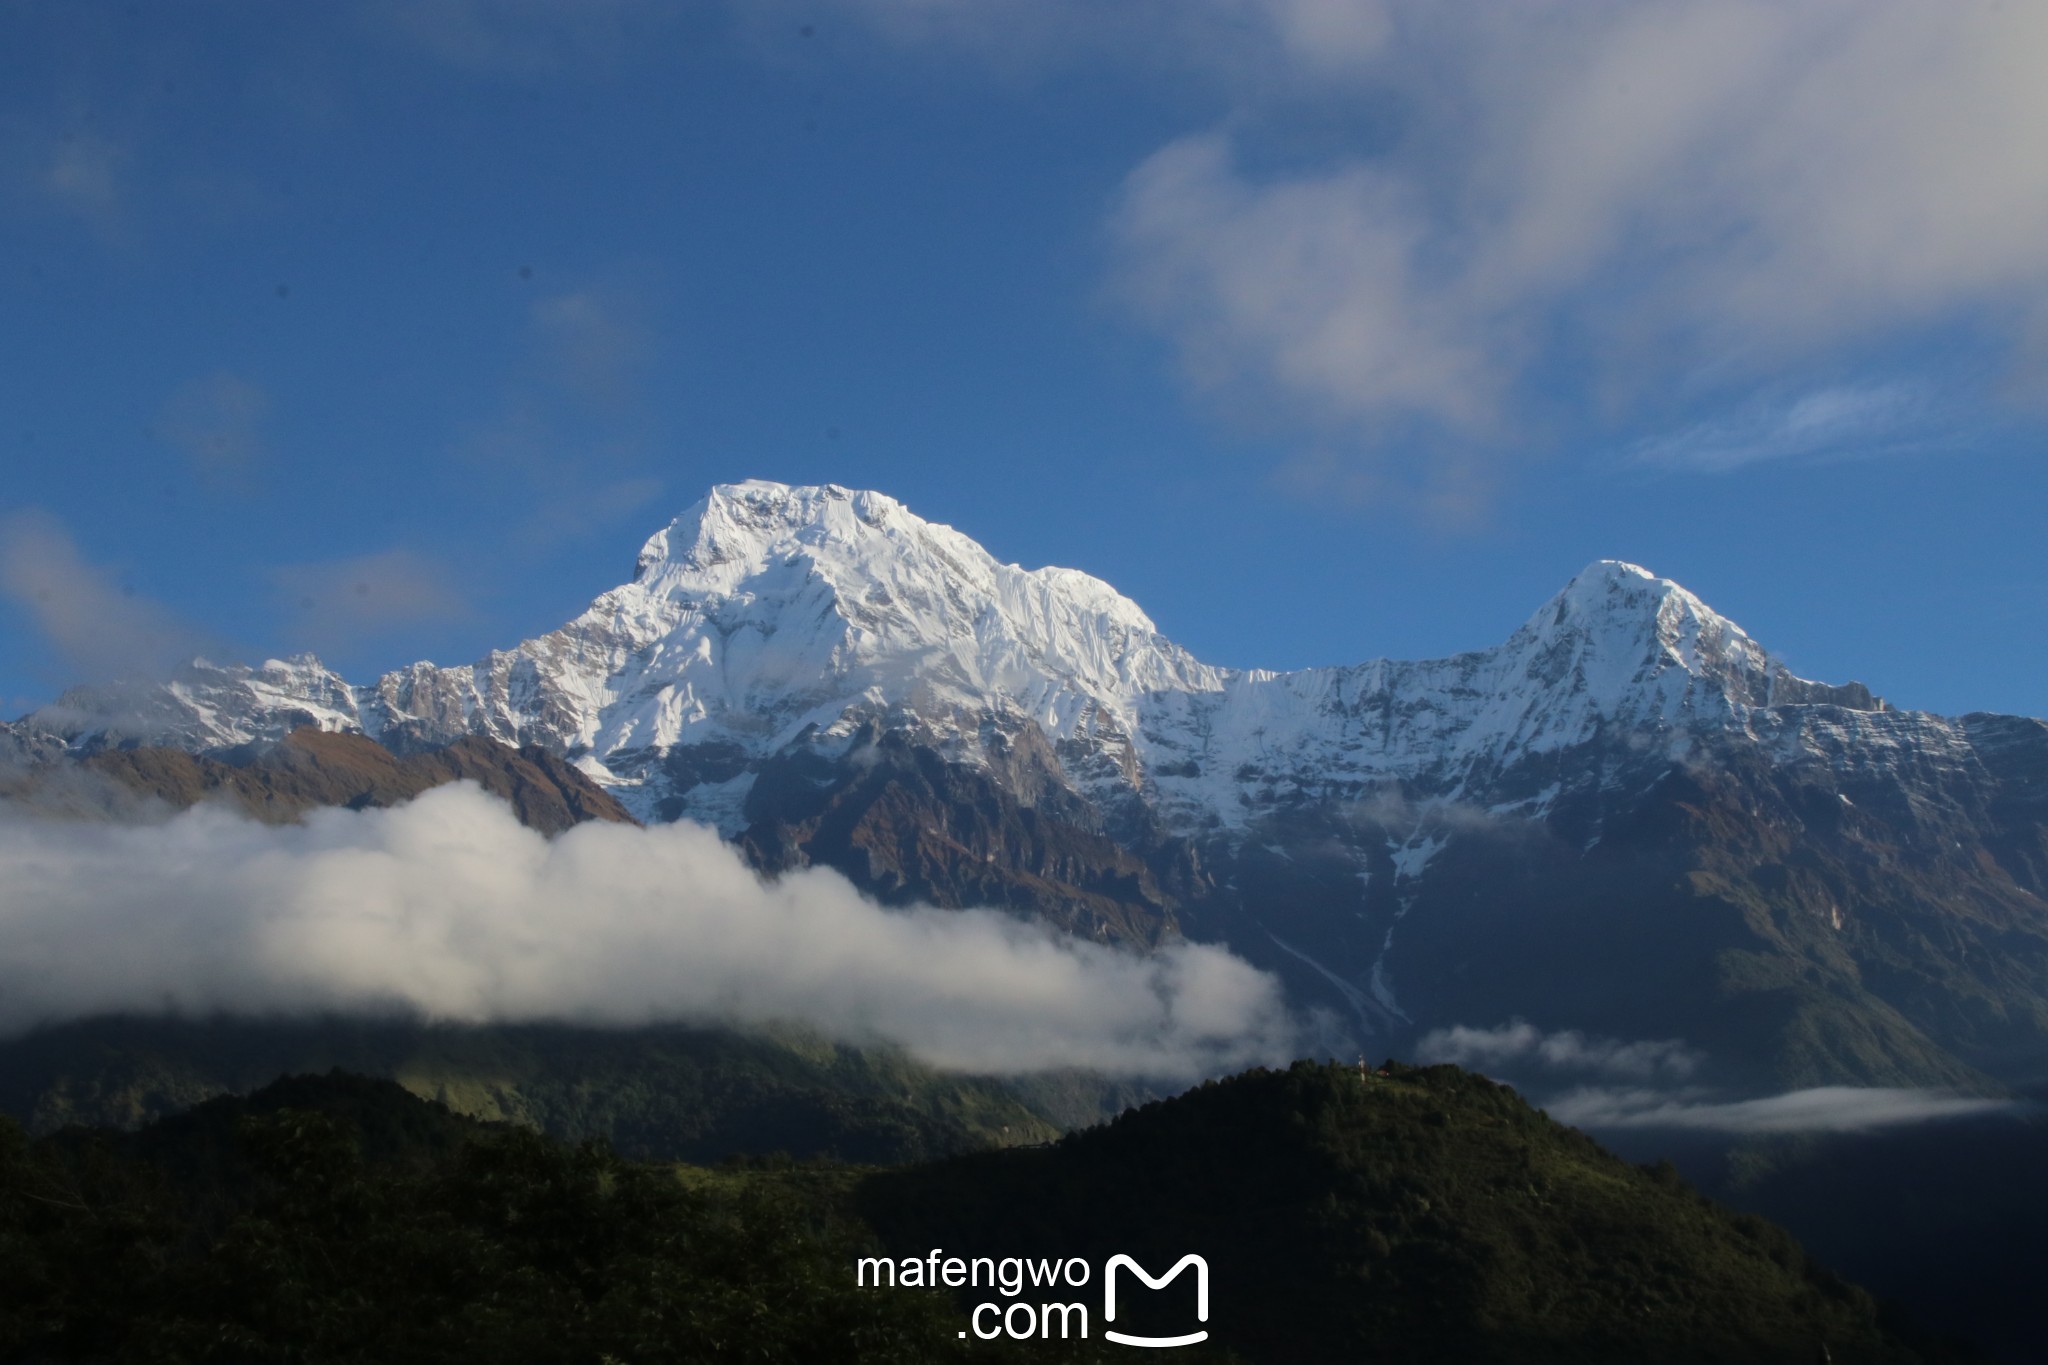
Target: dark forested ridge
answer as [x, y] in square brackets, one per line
[342, 1219]
[660, 1092]
[1403, 1214]
[1420, 1215]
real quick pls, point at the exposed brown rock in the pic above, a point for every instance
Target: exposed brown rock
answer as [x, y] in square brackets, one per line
[309, 768]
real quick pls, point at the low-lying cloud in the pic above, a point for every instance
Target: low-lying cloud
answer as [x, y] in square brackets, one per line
[1521, 1044]
[449, 909]
[1822, 1109]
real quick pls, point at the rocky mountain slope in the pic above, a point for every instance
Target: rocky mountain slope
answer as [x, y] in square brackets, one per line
[279, 780]
[1629, 817]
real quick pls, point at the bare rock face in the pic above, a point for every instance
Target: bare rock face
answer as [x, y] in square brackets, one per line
[281, 781]
[909, 827]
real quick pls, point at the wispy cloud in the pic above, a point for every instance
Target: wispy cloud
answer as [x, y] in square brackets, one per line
[86, 175]
[450, 909]
[337, 603]
[1522, 1044]
[217, 421]
[1845, 422]
[1830, 1109]
[101, 629]
[570, 429]
[593, 345]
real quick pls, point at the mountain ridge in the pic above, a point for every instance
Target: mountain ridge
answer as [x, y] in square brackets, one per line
[765, 616]
[1628, 817]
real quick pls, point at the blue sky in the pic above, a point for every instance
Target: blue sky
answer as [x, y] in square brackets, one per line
[1324, 330]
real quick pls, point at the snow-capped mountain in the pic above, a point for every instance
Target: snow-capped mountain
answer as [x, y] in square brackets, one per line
[767, 616]
[1629, 807]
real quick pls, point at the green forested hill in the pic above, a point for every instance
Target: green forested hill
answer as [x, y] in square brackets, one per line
[1419, 1216]
[343, 1220]
[1410, 1214]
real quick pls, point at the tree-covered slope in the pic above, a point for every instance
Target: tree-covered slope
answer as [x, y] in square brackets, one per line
[1415, 1215]
[343, 1220]
[1422, 1215]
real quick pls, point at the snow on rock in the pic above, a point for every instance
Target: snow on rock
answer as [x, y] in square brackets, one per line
[768, 616]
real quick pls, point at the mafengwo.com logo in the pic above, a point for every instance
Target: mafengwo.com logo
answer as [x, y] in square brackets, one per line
[1022, 1319]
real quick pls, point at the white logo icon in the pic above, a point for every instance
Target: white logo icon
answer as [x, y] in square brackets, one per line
[1201, 1298]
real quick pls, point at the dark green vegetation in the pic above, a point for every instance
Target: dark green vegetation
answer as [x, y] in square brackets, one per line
[666, 1092]
[1427, 1215]
[343, 1220]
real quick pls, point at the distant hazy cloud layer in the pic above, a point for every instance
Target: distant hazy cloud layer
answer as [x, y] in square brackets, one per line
[1829, 1108]
[1521, 1044]
[449, 908]
[1526, 1053]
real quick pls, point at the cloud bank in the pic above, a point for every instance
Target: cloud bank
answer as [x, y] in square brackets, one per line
[449, 909]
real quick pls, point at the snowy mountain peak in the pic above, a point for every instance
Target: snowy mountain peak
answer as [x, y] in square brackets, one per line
[1625, 612]
[767, 616]
[739, 523]
[901, 585]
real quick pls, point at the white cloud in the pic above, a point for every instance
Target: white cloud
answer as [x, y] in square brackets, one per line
[447, 907]
[1832, 1109]
[1547, 204]
[1313, 283]
[1521, 1043]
